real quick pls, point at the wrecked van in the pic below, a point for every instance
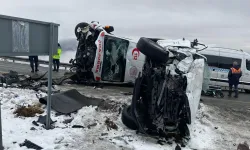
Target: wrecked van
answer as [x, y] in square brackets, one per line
[103, 57]
[168, 76]
[167, 92]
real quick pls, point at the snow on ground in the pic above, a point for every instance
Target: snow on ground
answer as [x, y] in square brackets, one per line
[97, 136]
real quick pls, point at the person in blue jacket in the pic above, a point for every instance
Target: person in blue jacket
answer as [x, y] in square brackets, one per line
[234, 76]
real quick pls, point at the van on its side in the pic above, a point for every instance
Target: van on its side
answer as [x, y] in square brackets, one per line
[220, 61]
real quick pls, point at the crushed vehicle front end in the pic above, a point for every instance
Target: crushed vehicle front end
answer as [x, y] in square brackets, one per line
[87, 65]
[167, 92]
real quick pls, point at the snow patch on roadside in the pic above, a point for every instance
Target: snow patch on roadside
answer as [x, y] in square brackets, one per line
[94, 134]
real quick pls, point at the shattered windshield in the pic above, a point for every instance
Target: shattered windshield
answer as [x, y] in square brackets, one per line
[114, 62]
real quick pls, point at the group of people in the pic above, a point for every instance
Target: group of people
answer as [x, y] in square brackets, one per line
[56, 61]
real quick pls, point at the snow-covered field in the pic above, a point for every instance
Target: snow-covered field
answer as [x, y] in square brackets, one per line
[64, 137]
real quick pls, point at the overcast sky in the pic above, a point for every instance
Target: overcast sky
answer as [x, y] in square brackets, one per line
[222, 22]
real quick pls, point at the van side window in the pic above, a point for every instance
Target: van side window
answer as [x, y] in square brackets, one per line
[227, 62]
[212, 61]
[248, 64]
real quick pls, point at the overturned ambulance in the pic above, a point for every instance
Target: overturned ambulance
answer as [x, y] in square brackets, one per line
[168, 76]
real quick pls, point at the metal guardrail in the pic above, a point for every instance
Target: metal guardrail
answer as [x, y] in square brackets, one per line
[44, 62]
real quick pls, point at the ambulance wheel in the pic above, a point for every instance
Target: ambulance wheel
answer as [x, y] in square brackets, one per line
[81, 25]
[152, 50]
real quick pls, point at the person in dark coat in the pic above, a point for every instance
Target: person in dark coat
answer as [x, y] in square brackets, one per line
[33, 59]
[234, 76]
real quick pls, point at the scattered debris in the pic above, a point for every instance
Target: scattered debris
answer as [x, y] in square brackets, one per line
[109, 105]
[98, 87]
[110, 124]
[104, 134]
[77, 126]
[32, 128]
[30, 144]
[170, 142]
[59, 114]
[35, 123]
[100, 138]
[126, 93]
[29, 111]
[120, 139]
[161, 142]
[59, 140]
[58, 147]
[92, 125]
[42, 120]
[66, 121]
[243, 146]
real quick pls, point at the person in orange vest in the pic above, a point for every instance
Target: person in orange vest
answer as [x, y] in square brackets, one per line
[234, 76]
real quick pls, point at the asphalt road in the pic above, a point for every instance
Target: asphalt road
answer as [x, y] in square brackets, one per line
[243, 101]
[25, 69]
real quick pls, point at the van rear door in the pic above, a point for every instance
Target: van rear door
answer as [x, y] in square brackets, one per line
[245, 79]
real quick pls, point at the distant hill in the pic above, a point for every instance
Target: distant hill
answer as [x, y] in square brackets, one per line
[69, 44]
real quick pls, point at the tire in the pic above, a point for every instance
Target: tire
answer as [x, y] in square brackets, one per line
[127, 118]
[81, 25]
[152, 50]
[247, 91]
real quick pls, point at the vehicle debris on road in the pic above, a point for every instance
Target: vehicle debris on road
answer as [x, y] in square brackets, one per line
[110, 124]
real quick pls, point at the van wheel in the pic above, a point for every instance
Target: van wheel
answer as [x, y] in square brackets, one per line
[128, 119]
[81, 25]
[152, 50]
[247, 91]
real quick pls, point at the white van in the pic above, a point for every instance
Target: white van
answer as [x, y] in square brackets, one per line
[220, 61]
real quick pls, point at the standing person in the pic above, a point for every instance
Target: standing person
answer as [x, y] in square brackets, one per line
[234, 77]
[33, 59]
[56, 58]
